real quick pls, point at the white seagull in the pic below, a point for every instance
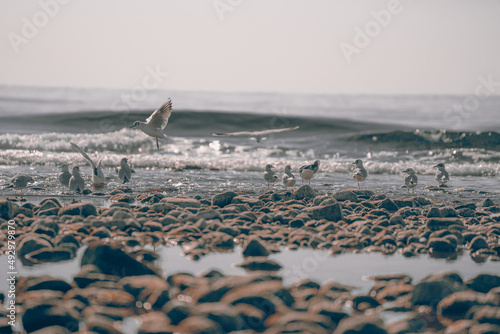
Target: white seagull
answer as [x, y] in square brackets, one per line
[288, 177]
[257, 135]
[97, 173]
[125, 173]
[359, 173]
[155, 124]
[64, 176]
[307, 171]
[76, 182]
[270, 175]
[411, 180]
[442, 175]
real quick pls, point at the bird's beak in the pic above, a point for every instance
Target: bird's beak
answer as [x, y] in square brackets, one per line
[133, 126]
[354, 163]
[434, 166]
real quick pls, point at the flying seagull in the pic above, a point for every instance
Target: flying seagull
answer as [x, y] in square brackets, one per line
[257, 135]
[97, 173]
[155, 124]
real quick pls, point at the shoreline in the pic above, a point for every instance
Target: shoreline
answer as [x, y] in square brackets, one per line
[117, 265]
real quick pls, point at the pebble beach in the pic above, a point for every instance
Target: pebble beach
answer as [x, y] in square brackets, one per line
[119, 287]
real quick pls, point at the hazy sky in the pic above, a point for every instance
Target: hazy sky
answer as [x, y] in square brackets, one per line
[424, 46]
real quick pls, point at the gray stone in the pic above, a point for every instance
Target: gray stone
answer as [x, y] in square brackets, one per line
[183, 202]
[79, 209]
[430, 293]
[483, 282]
[360, 324]
[112, 260]
[255, 247]
[346, 195]
[7, 209]
[223, 199]
[332, 212]
[305, 192]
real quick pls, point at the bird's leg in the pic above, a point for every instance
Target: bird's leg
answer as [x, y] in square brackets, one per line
[359, 187]
[157, 144]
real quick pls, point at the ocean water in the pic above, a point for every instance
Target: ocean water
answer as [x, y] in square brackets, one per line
[389, 133]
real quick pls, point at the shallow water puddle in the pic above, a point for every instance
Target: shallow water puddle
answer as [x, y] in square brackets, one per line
[317, 265]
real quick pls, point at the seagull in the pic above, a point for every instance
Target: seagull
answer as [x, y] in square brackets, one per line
[257, 135]
[97, 174]
[442, 175]
[411, 179]
[155, 124]
[308, 171]
[125, 173]
[270, 175]
[20, 181]
[64, 176]
[288, 177]
[359, 173]
[76, 182]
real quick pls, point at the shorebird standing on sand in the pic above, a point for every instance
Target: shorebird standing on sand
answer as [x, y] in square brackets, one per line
[64, 176]
[359, 173]
[442, 175]
[307, 171]
[125, 173]
[411, 180]
[155, 124]
[270, 175]
[20, 181]
[288, 177]
[76, 182]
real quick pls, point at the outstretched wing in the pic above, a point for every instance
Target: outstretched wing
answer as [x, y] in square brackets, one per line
[100, 173]
[159, 118]
[236, 134]
[265, 132]
[253, 133]
[84, 154]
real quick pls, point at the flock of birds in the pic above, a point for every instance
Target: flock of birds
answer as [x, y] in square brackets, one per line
[359, 174]
[153, 127]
